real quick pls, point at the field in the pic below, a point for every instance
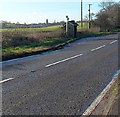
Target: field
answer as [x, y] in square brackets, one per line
[27, 36]
[85, 26]
[50, 28]
[28, 40]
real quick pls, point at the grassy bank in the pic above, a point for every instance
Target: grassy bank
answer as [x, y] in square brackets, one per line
[19, 51]
[35, 47]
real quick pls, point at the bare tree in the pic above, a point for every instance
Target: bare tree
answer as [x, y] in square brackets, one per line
[109, 17]
[105, 3]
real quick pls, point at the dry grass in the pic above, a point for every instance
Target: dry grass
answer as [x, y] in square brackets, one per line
[28, 37]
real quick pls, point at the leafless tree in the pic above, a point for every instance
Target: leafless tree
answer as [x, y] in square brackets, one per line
[109, 16]
[105, 3]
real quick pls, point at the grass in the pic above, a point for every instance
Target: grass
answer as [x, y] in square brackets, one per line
[21, 37]
[29, 40]
[115, 30]
[9, 51]
[51, 28]
[116, 88]
[85, 26]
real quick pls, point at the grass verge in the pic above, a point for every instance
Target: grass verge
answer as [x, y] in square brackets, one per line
[20, 51]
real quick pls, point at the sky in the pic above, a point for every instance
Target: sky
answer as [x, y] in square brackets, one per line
[37, 11]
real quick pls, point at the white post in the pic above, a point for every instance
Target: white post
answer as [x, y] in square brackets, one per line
[67, 25]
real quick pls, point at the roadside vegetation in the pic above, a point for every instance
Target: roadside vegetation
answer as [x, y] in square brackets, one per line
[108, 18]
[26, 40]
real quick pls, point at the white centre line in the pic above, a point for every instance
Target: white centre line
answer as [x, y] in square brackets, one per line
[113, 42]
[64, 60]
[6, 80]
[98, 48]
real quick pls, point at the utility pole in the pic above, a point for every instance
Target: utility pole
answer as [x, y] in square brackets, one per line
[81, 14]
[89, 16]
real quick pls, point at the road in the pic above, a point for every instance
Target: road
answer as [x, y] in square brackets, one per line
[62, 82]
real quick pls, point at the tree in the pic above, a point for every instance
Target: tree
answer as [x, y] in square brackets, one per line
[105, 3]
[114, 14]
[109, 16]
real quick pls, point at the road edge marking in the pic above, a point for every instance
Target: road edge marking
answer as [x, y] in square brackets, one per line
[6, 80]
[64, 60]
[95, 103]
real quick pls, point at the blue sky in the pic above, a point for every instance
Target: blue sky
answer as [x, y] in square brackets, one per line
[36, 11]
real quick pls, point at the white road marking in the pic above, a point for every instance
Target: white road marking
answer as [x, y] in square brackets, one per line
[113, 42]
[95, 103]
[6, 80]
[98, 48]
[64, 60]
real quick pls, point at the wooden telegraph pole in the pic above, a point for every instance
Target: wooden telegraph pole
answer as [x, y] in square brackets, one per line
[89, 16]
[81, 14]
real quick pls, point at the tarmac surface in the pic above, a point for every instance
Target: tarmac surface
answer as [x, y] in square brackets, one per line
[63, 82]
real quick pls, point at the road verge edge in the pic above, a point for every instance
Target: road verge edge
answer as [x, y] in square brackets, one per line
[91, 110]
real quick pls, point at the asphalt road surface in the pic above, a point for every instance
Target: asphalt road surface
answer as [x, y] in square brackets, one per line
[62, 82]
